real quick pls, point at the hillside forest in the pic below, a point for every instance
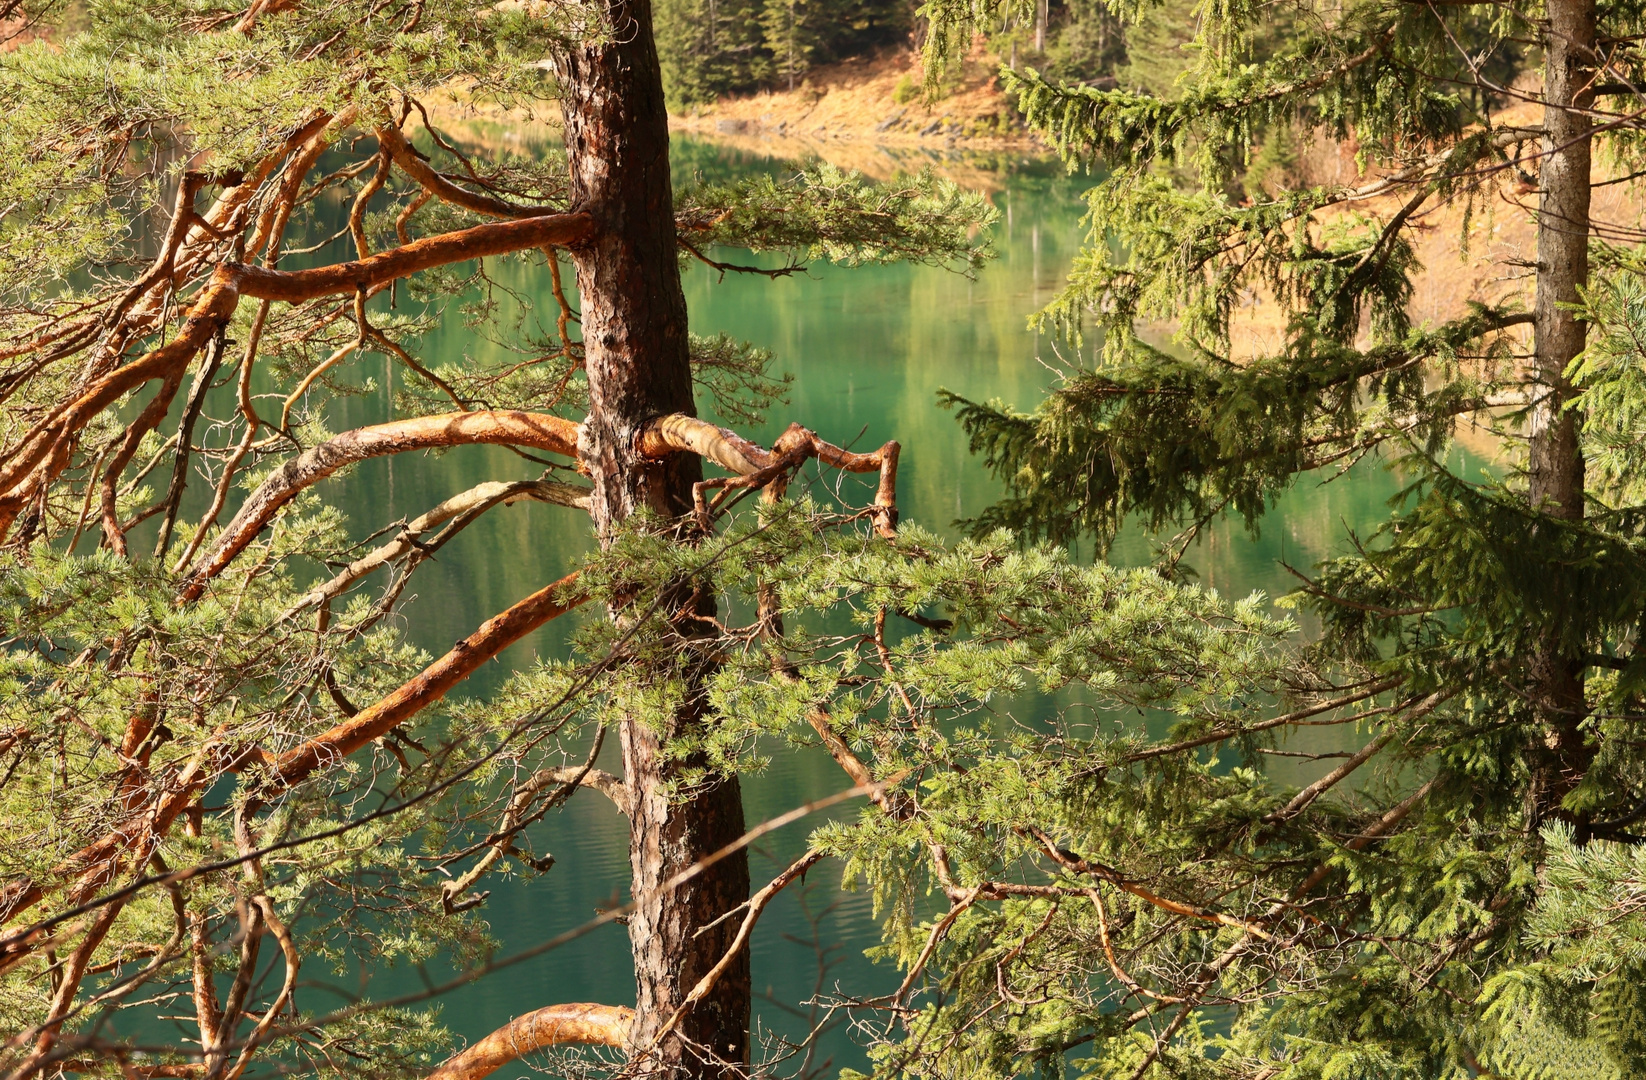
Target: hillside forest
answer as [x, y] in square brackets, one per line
[714, 47]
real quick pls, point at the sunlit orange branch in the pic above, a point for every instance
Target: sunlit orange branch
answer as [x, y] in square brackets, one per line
[427, 687]
[391, 140]
[341, 279]
[540, 431]
[555, 1025]
[234, 199]
[97, 863]
[756, 466]
[44, 451]
[275, 215]
[150, 418]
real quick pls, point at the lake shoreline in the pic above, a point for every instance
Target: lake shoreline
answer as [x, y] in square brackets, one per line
[875, 100]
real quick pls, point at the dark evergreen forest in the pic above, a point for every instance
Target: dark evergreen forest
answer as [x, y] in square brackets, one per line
[714, 47]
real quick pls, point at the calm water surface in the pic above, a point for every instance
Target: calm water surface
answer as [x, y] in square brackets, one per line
[868, 348]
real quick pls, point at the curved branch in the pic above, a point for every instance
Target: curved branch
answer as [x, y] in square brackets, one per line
[1302, 799]
[475, 500]
[288, 950]
[424, 689]
[392, 140]
[554, 1025]
[595, 779]
[756, 466]
[679, 433]
[537, 430]
[1377, 829]
[341, 279]
[1068, 860]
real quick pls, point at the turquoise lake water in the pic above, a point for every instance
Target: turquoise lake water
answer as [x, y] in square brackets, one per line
[869, 348]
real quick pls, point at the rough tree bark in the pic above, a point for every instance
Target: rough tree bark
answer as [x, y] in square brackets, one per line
[1555, 461]
[634, 332]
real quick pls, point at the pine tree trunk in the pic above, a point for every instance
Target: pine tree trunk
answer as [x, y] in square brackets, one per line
[1555, 464]
[634, 333]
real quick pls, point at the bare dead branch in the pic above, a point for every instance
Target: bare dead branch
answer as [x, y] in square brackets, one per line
[757, 904]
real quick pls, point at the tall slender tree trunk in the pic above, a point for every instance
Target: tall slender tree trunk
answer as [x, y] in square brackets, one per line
[634, 333]
[1555, 464]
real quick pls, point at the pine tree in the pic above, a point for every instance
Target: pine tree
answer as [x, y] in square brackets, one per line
[710, 48]
[144, 671]
[791, 36]
[218, 773]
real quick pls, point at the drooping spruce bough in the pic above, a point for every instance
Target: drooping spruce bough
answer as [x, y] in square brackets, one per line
[1497, 932]
[1099, 889]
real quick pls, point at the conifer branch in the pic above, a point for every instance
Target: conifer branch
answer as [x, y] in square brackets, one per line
[538, 430]
[552, 1025]
[475, 500]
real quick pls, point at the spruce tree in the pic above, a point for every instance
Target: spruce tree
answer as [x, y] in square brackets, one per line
[193, 661]
[709, 48]
[791, 37]
[714, 47]
[1512, 604]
